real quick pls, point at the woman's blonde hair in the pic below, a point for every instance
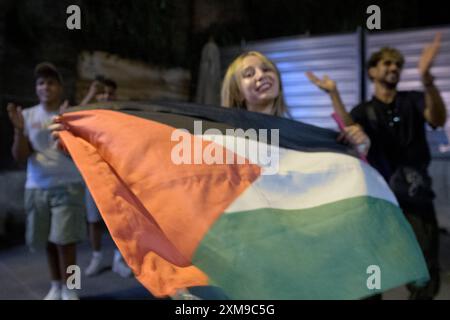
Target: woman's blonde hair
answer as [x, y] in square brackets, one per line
[231, 95]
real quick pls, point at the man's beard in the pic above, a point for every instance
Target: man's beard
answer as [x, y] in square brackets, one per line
[391, 84]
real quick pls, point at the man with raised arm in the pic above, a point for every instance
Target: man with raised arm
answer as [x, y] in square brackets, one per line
[395, 123]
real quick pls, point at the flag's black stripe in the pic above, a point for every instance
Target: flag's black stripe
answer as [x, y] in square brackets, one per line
[292, 134]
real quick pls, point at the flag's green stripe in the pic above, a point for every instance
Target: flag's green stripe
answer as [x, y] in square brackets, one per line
[317, 253]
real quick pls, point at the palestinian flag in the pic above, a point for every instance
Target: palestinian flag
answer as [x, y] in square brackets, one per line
[311, 221]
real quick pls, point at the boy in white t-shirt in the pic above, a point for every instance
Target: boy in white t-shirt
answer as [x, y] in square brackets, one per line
[54, 192]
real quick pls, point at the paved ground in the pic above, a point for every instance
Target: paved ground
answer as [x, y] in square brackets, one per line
[24, 275]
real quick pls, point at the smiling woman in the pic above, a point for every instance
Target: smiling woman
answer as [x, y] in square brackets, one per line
[252, 82]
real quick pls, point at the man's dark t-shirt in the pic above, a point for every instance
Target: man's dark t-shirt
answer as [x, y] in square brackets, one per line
[397, 132]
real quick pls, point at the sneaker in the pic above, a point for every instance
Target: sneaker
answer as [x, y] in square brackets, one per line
[67, 294]
[119, 266]
[184, 294]
[54, 293]
[95, 266]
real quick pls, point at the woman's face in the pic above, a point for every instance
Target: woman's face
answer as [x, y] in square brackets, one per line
[259, 82]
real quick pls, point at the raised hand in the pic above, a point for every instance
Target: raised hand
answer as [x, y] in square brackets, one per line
[429, 54]
[94, 88]
[55, 128]
[16, 117]
[325, 84]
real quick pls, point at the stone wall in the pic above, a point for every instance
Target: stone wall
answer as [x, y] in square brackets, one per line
[135, 80]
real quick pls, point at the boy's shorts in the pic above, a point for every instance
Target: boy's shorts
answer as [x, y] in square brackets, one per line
[55, 215]
[93, 215]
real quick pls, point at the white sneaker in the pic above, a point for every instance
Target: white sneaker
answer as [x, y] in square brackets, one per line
[67, 294]
[119, 266]
[184, 294]
[95, 266]
[54, 293]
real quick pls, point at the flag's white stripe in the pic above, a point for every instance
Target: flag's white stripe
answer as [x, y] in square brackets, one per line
[305, 179]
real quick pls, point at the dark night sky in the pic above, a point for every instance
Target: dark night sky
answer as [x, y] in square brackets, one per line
[290, 17]
[158, 31]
